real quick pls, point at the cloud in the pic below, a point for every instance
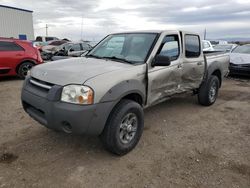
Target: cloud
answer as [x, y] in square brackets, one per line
[97, 18]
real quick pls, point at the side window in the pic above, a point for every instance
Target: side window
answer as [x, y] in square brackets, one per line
[49, 38]
[76, 47]
[170, 47]
[85, 46]
[39, 39]
[192, 46]
[9, 46]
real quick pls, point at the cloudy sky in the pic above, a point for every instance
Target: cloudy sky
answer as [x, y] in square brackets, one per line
[96, 18]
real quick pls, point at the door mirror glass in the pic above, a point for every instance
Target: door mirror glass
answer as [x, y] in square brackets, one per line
[161, 60]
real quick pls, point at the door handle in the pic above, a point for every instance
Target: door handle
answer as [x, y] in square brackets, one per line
[199, 63]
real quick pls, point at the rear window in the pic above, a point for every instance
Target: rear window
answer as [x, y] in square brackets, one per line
[40, 39]
[49, 38]
[9, 46]
[192, 46]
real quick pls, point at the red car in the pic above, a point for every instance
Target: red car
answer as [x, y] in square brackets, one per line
[17, 57]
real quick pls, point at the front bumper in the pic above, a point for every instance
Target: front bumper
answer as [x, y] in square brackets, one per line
[46, 108]
[243, 69]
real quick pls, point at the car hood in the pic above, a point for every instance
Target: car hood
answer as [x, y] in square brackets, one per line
[75, 70]
[238, 58]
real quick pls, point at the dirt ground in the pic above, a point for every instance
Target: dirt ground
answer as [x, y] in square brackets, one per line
[183, 145]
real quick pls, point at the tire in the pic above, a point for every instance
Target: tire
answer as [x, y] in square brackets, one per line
[23, 69]
[124, 127]
[208, 91]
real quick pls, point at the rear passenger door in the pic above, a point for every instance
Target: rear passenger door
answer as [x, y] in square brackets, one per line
[193, 62]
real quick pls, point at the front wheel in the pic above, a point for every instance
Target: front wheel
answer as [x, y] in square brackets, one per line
[208, 91]
[124, 127]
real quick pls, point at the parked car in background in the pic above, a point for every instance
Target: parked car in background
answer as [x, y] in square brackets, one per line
[77, 49]
[45, 38]
[240, 60]
[207, 46]
[17, 57]
[216, 42]
[74, 49]
[224, 47]
[52, 45]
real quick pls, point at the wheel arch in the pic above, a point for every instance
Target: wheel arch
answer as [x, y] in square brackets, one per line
[217, 73]
[24, 61]
[215, 70]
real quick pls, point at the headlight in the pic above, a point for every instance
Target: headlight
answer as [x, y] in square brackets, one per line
[77, 94]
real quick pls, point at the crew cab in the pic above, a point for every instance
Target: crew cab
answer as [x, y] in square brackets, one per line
[17, 57]
[105, 92]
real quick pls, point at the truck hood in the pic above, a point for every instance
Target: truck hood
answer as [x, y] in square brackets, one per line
[75, 70]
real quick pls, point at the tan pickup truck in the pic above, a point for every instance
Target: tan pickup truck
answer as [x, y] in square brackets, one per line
[105, 92]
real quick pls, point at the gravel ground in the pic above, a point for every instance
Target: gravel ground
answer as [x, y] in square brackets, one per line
[183, 145]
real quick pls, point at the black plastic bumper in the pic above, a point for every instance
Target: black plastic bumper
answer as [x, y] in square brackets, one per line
[240, 70]
[48, 110]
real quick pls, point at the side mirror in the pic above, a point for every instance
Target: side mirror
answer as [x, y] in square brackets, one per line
[161, 60]
[71, 50]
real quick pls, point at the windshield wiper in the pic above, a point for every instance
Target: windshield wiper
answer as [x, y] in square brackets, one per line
[94, 56]
[118, 59]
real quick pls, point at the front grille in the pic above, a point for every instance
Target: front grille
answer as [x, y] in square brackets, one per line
[240, 65]
[41, 84]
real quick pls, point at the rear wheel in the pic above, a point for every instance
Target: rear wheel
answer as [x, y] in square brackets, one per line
[124, 127]
[24, 68]
[208, 91]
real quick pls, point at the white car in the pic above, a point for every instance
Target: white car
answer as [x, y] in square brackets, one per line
[207, 46]
[240, 60]
[225, 47]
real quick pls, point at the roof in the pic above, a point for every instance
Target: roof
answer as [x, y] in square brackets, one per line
[3, 39]
[156, 31]
[15, 8]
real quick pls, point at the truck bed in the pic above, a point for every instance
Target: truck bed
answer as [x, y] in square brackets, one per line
[218, 59]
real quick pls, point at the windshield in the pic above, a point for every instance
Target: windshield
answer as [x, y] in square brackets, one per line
[242, 49]
[130, 47]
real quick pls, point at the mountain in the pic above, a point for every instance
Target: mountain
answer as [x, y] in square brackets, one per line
[234, 39]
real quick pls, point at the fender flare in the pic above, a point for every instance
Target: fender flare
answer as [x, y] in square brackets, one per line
[120, 90]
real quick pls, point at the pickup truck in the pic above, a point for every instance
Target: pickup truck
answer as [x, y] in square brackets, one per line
[105, 92]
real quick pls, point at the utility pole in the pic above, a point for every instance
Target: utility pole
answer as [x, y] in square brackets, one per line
[46, 29]
[205, 34]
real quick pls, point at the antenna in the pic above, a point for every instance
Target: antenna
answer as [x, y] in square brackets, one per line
[205, 34]
[82, 29]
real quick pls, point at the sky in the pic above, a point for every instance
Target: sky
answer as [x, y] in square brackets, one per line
[94, 19]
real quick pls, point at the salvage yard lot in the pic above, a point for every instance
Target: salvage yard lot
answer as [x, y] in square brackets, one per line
[183, 145]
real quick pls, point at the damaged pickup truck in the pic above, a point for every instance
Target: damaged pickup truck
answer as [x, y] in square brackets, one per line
[105, 92]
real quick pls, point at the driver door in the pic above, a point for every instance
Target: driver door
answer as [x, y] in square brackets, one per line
[164, 81]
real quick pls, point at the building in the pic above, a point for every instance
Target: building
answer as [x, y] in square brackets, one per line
[16, 22]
